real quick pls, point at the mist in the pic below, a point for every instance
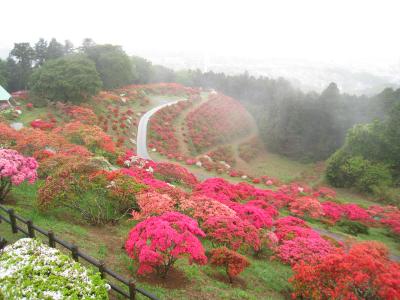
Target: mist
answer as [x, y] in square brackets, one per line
[311, 43]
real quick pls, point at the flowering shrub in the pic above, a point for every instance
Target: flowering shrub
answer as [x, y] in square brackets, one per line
[353, 212]
[365, 272]
[254, 215]
[172, 172]
[15, 169]
[153, 203]
[43, 125]
[99, 196]
[306, 206]
[306, 249]
[233, 262]
[387, 215]
[232, 232]
[215, 122]
[162, 131]
[93, 137]
[201, 208]
[298, 242]
[83, 114]
[31, 270]
[158, 242]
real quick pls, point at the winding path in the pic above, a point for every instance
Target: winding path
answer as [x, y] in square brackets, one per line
[141, 140]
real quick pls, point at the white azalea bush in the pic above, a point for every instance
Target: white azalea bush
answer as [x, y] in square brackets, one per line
[32, 270]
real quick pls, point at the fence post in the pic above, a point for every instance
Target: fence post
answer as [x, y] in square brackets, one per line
[132, 290]
[74, 250]
[31, 231]
[101, 269]
[13, 221]
[52, 242]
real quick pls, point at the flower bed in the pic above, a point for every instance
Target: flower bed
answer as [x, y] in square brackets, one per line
[31, 270]
[217, 121]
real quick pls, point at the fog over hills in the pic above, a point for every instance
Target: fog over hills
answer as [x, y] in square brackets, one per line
[307, 75]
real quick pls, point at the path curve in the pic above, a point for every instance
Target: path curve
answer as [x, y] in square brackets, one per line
[141, 140]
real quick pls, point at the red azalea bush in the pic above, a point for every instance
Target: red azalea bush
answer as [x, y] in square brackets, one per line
[232, 232]
[83, 114]
[172, 172]
[306, 207]
[158, 242]
[233, 262]
[162, 129]
[335, 212]
[91, 136]
[15, 169]
[40, 124]
[365, 272]
[387, 215]
[153, 203]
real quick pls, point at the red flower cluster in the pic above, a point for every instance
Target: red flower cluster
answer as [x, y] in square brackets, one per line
[162, 130]
[365, 272]
[233, 262]
[175, 173]
[43, 125]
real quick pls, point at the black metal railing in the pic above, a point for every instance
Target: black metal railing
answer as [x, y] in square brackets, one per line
[76, 253]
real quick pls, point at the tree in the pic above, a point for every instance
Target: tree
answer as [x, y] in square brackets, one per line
[112, 63]
[3, 73]
[54, 50]
[19, 66]
[162, 74]
[142, 69]
[68, 47]
[69, 79]
[40, 52]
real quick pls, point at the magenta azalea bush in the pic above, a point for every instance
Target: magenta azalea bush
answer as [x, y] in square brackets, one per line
[15, 169]
[158, 242]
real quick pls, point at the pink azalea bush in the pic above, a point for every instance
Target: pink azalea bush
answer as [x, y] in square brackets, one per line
[15, 169]
[232, 232]
[153, 203]
[298, 242]
[158, 242]
[201, 208]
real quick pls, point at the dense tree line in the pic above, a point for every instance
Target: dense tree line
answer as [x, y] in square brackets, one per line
[22, 69]
[369, 160]
[301, 126]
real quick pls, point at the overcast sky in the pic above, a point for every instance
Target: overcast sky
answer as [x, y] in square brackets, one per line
[341, 31]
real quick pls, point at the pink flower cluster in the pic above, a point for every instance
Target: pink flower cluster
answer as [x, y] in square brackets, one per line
[17, 168]
[335, 211]
[153, 203]
[158, 242]
[298, 242]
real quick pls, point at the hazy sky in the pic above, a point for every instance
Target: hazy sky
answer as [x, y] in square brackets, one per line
[332, 31]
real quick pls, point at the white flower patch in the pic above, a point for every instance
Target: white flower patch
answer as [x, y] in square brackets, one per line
[32, 270]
